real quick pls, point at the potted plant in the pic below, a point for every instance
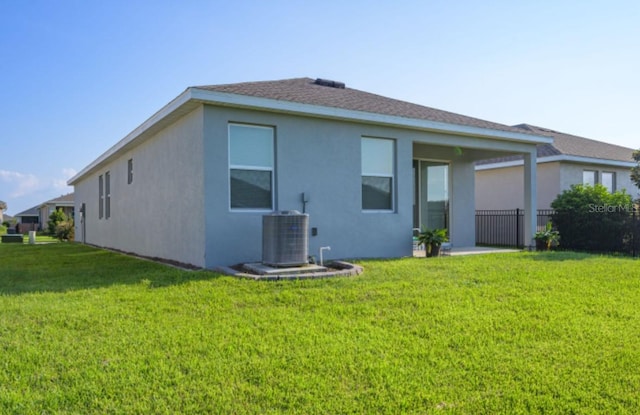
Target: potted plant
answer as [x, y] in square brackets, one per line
[547, 238]
[432, 240]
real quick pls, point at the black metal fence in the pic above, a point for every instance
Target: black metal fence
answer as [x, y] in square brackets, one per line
[505, 228]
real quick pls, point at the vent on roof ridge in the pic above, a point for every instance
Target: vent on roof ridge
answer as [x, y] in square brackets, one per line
[329, 83]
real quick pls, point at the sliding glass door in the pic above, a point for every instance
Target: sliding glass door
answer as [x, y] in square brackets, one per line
[431, 194]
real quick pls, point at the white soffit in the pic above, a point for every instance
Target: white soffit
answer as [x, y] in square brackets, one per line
[189, 99]
[566, 158]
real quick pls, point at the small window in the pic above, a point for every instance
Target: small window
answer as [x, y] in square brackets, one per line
[107, 198]
[589, 177]
[130, 171]
[609, 181]
[377, 173]
[100, 197]
[251, 167]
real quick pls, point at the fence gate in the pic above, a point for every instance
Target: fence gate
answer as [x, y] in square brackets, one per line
[505, 228]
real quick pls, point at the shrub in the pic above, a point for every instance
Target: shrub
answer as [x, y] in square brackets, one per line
[65, 230]
[3, 229]
[55, 218]
[589, 218]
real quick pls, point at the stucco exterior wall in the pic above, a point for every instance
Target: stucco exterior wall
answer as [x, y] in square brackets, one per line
[571, 173]
[160, 214]
[177, 207]
[503, 188]
[322, 158]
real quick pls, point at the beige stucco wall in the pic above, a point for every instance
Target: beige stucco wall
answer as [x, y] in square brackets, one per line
[502, 188]
[160, 214]
[571, 173]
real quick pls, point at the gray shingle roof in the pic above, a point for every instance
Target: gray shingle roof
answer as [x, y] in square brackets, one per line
[69, 197]
[308, 91]
[29, 212]
[570, 145]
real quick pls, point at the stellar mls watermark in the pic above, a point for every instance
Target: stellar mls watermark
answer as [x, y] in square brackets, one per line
[606, 208]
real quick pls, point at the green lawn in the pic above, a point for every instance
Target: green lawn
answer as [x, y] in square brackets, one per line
[85, 331]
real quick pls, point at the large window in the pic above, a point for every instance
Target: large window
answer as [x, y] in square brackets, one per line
[608, 180]
[377, 173]
[589, 177]
[251, 167]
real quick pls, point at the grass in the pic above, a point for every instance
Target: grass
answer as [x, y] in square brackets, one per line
[40, 238]
[88, 331]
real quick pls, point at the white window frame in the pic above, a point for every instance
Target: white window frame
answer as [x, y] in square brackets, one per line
[595, 176]
[271, 169]
[613, 180]
[391, 176]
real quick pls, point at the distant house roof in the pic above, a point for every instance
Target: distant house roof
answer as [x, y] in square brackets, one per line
[316, 98]
[572, 148]
[67, 199]
[29, 212]
[64, 200]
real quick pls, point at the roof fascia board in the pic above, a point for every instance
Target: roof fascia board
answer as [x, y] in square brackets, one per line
[165, 111]
[236, 100]
[566, 158]
[243, 101]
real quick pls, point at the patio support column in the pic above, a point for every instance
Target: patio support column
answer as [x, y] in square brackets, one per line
[530, 203]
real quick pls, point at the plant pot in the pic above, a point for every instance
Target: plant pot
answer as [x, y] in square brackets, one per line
[541, 245]
[433, 250]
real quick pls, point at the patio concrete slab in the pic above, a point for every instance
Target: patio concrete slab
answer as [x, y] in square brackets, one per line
[262, 269]
[470, 250]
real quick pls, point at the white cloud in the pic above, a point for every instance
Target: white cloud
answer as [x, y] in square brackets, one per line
[61, 184]
[23, 184]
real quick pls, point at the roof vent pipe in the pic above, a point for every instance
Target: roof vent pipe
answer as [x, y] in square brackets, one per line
[329, 83]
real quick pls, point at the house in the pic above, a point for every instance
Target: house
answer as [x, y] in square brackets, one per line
[36, 218]
[366, 168]
[28, 220]
[568, 160]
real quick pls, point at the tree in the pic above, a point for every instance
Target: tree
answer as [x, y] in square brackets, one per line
[3, 205]
[635, 171]
[56, 217]
[589, 218]
[65, 230]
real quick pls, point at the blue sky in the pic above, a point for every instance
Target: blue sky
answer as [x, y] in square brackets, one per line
[77, 76]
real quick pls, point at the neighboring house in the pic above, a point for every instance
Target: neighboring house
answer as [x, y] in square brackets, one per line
[29, 219]
[568, 160]
[65, 203]
[36, 218]
[192, 183]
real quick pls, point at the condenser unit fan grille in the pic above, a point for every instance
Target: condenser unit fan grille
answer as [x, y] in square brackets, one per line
[285, 239]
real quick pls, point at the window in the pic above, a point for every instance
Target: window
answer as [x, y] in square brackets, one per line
[608, 180]
[251, 167]
[377, 173]
[130, 171]
[107, 198]
[100, 197]
[589, 177]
